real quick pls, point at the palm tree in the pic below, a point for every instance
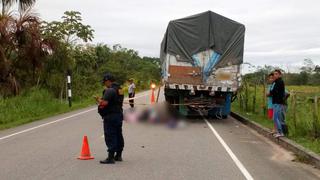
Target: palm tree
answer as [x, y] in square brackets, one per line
[22, 50]
[23, 4]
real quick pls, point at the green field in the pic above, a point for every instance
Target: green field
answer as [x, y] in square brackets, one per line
[302, 115]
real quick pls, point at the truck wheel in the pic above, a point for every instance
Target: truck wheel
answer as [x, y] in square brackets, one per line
[169, 99]
[224, 116]
[173, 110]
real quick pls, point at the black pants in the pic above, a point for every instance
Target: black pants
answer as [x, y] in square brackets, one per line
[131, 101]
[112, 126]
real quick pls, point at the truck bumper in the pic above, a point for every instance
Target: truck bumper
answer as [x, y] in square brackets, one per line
[217, 106]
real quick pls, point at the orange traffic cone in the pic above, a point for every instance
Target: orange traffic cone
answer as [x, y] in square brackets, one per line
[152, 96]
[85, 152]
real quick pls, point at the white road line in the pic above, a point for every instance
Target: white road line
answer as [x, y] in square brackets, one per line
[52, 122]
[42, 125]
[243, 170]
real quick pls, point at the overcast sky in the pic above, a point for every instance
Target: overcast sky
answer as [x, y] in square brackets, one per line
[278, 32]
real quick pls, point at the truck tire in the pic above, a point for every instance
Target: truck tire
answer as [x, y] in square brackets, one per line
[173, 110]
[224, 116]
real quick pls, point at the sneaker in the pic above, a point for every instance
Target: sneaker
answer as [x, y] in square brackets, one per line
[277, 135]
[273, 132]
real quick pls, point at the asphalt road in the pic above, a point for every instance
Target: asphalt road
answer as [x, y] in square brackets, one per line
[203, 149]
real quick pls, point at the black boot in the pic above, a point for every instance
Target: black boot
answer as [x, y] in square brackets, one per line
[118, 156]
[109, 160]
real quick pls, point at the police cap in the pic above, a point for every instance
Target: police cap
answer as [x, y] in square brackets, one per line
[109, 77]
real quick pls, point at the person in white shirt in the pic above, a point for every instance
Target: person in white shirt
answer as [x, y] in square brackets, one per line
[131, 91]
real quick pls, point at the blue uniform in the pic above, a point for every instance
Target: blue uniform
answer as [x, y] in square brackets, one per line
[112, 126]
[112, 119]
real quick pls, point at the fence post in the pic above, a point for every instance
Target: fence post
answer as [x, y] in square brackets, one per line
[246, 97]
[254, 99]
[315, 117]
[294, 104]
[240, 102]
[264, 106]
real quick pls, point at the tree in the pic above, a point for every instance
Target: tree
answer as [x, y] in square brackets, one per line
[303, 78]
[22, 50]
[317, 69]
[70, 30]
[68, 34]
[23, 5]
[308, 66]
[103, 53]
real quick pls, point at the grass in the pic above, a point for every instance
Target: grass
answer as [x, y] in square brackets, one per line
[34, 105]
[37, 104]
[303, 127]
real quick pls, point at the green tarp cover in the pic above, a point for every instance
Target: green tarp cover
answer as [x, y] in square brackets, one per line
[208, 30]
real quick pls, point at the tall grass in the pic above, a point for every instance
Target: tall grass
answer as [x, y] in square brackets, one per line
[33, 105]
[304, 126]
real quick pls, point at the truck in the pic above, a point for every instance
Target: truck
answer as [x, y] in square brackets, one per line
[200, 58]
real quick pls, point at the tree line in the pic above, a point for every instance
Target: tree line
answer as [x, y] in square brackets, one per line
[36, 53]
[309, 74]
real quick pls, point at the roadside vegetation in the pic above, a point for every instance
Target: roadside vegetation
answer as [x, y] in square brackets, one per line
[303, 112]
[36, 55]
[32, 105]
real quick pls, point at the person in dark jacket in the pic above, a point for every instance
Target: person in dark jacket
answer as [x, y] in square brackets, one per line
[110, 109]
[278, 102]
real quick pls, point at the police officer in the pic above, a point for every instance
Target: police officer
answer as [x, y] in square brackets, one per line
[110, 109]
